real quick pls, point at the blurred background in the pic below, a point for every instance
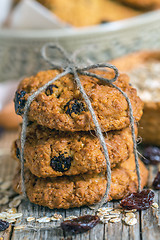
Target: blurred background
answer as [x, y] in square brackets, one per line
[124, 32]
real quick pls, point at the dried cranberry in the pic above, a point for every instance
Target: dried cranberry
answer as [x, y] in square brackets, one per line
[139, 201]
[20, 101]
[152, 155]
[80, 224]
[156, 182]
[74, 106]
[3, 225]
[49, 89]
[61, 163]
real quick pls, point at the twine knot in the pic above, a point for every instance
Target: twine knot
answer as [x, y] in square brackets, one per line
[68, 66]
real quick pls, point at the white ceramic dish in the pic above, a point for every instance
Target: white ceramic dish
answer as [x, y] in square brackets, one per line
[20, 49]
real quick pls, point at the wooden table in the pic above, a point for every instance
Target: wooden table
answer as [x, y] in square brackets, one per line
[147, 228]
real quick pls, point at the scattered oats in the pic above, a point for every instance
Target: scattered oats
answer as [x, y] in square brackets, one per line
[11, 220]
[12, 210]
[3, 215]
[115, 212]
[104, 221]
[54, 219]
[70, 218]
[30, 219]
[99, 214]
[114, 220]
[114, 215]
[131, 210]
[14, 215]
[130, 214]
[105, 209]
[15, 202]
[6, 185]
[130, 221]
[43, 220]
[19, 227]
[155, 205]
[57, 216]
[4, 200]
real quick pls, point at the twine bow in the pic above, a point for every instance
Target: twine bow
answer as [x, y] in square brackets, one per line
[69, 67]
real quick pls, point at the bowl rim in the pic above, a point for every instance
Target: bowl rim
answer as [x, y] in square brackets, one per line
[112, 27]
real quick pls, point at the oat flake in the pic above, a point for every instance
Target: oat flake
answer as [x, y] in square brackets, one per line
[155, 205]
[43, 220]
[30, 219]
[114, 220]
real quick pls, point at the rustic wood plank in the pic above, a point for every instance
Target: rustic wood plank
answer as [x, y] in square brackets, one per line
[6, 173]
[149, 218]
[28, 209]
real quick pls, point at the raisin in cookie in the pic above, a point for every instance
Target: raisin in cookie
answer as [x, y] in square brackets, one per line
[50, 153]
[62, 107]
[75, 191]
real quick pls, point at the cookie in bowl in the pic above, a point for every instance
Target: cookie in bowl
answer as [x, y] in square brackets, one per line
[144, 71]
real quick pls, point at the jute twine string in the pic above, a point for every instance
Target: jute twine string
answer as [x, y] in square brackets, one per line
[69, 66]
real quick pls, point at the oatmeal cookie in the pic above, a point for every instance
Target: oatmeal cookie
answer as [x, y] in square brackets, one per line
[61, 106]
[75, 191]
[77, 13]
[50, 153]
[144, 70]
[84, 13]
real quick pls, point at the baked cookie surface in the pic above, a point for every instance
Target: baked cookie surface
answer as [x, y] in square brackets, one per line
[50, 153]
[68, 192]
[143, 67]
[61, 106]
[88, 12]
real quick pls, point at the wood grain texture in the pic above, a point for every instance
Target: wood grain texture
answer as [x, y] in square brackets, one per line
[147, 228]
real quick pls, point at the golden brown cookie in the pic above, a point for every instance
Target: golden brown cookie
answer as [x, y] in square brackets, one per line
[62, 107]
[68, 192]
[144, 70]
[77, 13]
[88, 12]
[49, 153]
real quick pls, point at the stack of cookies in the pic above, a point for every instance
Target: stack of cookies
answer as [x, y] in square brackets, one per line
[64, 163]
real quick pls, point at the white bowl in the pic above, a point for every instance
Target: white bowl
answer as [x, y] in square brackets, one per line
[20, 49]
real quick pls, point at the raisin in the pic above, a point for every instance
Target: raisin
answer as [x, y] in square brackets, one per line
[61, 163]
[49, 89]
[3, 225]
[19, 101]
[29, 123]
[80, 224]
[17, 153]
[139, 201]
[152, 155]
[156, 182]
[74, 106]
